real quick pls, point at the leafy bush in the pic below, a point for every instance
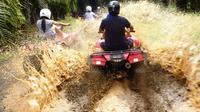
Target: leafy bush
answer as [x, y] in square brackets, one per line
[11, 20]
[60, 8]
[31, 9]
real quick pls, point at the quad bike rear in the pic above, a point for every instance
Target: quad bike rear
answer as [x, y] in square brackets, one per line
[118, 61]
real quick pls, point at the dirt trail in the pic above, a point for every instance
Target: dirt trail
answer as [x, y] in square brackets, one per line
[6, 80]
[157, 92]
[91, 91]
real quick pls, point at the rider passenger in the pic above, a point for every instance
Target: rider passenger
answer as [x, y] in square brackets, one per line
[48, 27]
[89, 15]
[113, 28]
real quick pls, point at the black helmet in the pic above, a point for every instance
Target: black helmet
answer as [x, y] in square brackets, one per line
[113, 7]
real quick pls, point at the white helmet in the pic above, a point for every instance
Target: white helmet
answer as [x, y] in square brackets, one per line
[45, 13]
[89, 8]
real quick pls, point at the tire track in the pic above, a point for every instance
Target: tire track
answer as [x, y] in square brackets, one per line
[158, 92]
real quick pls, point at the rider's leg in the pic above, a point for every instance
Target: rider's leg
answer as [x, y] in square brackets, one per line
[103, 46]
[130, 42]
[59, 33]
[65, 38]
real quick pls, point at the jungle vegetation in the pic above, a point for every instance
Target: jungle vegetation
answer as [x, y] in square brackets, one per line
[15, 15]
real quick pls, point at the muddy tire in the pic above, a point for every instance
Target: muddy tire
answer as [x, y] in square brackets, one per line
[131, 72]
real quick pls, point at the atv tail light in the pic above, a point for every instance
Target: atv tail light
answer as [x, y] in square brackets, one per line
[98, 60]
[135, 60]
[136, 57]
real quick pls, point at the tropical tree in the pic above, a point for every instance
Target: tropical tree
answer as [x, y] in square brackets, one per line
[60, 8]
[14, 13]
[31, 9]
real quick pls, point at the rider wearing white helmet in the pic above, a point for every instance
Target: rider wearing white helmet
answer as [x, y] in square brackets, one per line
[89, 15]
[47, 26]
[88, 9]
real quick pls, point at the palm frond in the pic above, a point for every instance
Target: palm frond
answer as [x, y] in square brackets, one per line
[11, 19]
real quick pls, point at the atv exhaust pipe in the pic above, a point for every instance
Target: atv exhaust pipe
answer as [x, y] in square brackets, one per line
[127, 65]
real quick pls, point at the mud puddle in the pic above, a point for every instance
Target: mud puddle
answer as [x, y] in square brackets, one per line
[7, 74]
[150, 90]
[157, 92]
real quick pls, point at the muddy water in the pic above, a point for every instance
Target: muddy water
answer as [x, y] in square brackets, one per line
[8, 74]
[150, 90]
[6, 79]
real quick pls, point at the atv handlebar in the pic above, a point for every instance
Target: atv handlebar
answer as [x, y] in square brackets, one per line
[128, 32]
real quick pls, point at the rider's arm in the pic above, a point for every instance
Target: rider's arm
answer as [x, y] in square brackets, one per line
[103, 32]
[128, 28]
[131, 28]
[94, 15]
[102, 29]
[61, 23]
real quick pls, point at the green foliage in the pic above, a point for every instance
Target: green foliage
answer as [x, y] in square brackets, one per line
[183, 5]
[14, 13]
[60, 8]
[11, 20]
[31, 9]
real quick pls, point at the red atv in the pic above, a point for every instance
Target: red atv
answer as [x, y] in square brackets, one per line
[112, 61]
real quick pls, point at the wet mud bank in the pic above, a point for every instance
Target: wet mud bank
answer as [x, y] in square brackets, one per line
[68, 84]
[152, 89]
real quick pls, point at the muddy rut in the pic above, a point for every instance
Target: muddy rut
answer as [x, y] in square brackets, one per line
[151, 90]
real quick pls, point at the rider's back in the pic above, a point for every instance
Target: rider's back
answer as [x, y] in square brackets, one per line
[90, 16]
[45, 27]
[115, 32]
[48, 24]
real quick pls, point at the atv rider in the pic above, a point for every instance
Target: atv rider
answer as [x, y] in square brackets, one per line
[89, 15]
[48, 27]
[114, 29]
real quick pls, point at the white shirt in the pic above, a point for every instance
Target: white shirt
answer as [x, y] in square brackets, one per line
[90, 16]
[48, 31]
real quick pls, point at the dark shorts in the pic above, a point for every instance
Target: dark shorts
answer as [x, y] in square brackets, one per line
[129, 44]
